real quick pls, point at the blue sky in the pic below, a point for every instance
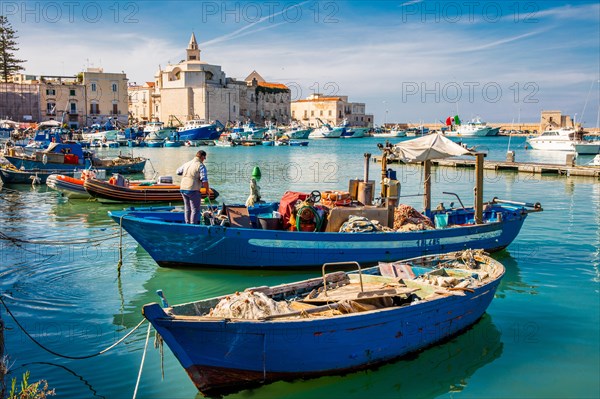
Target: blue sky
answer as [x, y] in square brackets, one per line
[409, 61]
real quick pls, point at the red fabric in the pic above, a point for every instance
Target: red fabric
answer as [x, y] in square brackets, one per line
[286, 205]
[71, 159]
[449, 121]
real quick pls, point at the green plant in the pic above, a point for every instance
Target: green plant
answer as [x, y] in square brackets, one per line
[38, 390]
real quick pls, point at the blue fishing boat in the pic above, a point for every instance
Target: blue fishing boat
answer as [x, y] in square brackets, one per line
[336, 323]
[198, 129]
[173, 143]
[491, 226]
[70, 156]
[12, 175]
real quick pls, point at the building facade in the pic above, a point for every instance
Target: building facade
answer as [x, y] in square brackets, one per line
[105, 96]
[330, 109]
[194, 89]
[90, 97]
[554, 120]
[141, 103]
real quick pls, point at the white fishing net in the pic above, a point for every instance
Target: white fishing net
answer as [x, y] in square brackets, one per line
[249, 305]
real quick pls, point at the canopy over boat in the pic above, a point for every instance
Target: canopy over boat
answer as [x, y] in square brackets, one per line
[432, 146]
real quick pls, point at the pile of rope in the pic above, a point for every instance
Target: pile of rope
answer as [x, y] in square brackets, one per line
[248, 305]
[407, 218]
[361, 224]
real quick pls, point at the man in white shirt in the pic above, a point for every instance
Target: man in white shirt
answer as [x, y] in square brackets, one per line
[194, 178]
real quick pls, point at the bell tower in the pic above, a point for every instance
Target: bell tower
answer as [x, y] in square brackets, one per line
[193, 52]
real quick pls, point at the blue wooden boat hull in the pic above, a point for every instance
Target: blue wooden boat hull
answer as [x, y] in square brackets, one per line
[184, 245]
[200, 133]
[222, 355]
[9, 176]
[136, 167]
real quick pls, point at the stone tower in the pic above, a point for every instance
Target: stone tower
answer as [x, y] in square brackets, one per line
[193, 52]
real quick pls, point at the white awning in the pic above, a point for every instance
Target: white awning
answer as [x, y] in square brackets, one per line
[432, 146]
[51, 123]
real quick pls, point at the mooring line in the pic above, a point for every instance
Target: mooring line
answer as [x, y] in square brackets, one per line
[61, 355]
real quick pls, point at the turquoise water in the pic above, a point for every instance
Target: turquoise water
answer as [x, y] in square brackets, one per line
[539, 338]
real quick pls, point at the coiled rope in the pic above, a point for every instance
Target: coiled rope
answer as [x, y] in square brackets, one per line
[59, 354]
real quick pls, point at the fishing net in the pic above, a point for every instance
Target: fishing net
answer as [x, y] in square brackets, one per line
[407, 218]
[361, 224]
[249, 305]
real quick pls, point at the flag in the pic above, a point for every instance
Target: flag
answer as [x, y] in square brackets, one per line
[449, 121]
[456, 120]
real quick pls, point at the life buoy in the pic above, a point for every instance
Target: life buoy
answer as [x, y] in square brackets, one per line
[112, 180]
[45, 159]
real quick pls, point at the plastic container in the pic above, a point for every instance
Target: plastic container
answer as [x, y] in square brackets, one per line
[441, 220]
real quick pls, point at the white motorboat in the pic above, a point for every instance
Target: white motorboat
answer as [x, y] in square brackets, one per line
[327, 131]
[473, 128]
[564, 140]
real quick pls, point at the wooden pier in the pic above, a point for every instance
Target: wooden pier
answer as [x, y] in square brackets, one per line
[523, 167]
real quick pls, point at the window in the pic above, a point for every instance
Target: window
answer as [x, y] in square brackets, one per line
[234, 108]
[94, 109]
[115, 110]
[93, 87]
[293, 114]
[73, 109]
[72, 92]
[312, 113]
[50, 92]
[329, 112]
[50, 108]
[321, 113]
[114, 87]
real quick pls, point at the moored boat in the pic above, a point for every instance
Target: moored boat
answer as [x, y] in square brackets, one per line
[70, 156]
[308, 242]
[361, 319]
[12, 175]
[564, 140]
[69, 186]
[117, 189]
[198, 129]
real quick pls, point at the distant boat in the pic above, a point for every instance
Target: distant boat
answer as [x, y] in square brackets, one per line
[417, 131]
[327, 131]
[393, 133]
[336, 323]
[70, 156]
[198, 129]
[494, 131]
[355, 132]
[297, 131]
[564, 140]
[173, 143]
[6, 128]
[298, 143]
[473, 128]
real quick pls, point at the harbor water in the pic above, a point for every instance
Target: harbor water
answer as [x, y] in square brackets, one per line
[538, 339]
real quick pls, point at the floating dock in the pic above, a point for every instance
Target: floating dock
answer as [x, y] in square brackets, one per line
[523, 167]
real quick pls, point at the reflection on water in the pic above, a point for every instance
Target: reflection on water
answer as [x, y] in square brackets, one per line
[512, 280]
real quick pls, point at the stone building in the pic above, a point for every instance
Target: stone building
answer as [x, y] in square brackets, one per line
[554, 120]
[195, 89]
[105, 96]
[330, 109]
[89, 97]
[20, 102]
[141, 103]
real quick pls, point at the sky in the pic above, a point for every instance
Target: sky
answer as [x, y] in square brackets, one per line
[412, 61]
